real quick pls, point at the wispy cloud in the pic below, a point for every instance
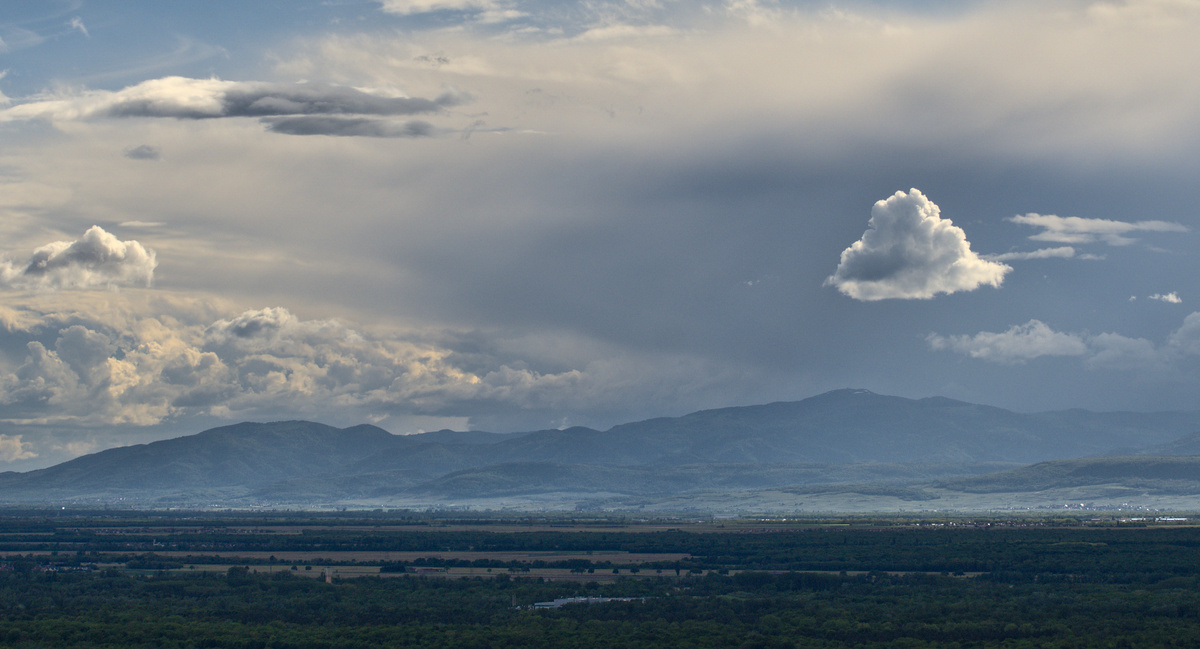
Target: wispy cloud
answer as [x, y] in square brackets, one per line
[1064, 252]
[1172, 297]
[14, 38]
[909, 251]
[1076, 230]
[77, 24]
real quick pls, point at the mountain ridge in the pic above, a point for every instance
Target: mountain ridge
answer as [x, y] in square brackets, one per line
[837, 437]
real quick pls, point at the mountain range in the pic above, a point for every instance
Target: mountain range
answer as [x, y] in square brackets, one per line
[850, 446]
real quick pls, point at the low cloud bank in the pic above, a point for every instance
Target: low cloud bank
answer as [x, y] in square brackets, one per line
[1035, 339]
[118, 368]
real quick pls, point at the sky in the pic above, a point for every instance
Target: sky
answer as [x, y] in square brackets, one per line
[518, 214]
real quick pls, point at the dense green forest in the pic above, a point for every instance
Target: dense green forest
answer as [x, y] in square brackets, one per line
[751, 609]
[857, 583]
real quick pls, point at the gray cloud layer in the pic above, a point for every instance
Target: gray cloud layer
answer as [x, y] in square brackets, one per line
[293, 108]
[348, 126]
[143, 152]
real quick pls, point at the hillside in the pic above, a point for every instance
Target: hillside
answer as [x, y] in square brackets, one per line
[241, 455]
[1163, 475]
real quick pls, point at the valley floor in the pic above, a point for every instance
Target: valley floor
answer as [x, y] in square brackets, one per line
[401, 579]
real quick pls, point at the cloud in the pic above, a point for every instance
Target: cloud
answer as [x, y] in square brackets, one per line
[18, 38]
[711, 137]
[143, 152]
[1035, 339]
[1076, 230]
[621, 31]
[1185, 340]
[1020, 343]
[77, 23]
[185, 98]
[1171, 297]
[909, 251]
[143, 371]
[95, 259]
[348, 126]
[1065, 252]
[1114, 351]
[76, 448]
[410, 7]
[14, 448]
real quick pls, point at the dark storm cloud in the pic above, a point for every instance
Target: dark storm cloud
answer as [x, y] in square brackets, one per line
[347, 126]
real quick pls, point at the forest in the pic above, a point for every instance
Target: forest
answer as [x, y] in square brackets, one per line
[202, 580]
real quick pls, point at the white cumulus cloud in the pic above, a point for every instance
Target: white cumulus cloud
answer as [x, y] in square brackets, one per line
[1077, 230]
[137, 370]
[1171, 297]
[96, 259]
[909, 251]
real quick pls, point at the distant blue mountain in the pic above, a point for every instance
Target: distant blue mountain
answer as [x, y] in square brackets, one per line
[840, 436]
